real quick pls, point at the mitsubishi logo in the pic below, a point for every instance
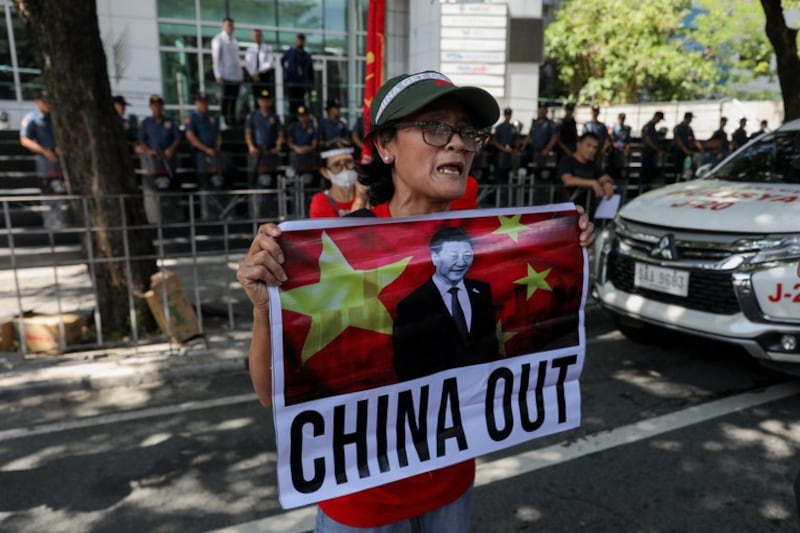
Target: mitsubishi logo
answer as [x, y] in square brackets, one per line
[665, 249]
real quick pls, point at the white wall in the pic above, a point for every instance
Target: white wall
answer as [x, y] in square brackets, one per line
[424, 35]
[131, 26]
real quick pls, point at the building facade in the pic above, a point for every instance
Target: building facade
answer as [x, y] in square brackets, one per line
[164, 47]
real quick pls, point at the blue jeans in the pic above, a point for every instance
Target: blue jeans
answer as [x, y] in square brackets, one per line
[453, 518]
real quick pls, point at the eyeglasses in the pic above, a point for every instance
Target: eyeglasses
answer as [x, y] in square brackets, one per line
[439, 134]
[339, 166]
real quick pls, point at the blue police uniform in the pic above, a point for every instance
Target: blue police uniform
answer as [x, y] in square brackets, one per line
[302, 136]
[265, 130]
[540, 134]
[329, 130]
[204, 127]
[38, 126]
[505, 133]
[158, 135]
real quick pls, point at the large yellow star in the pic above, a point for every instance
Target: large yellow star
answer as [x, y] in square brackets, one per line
[510, 226]
[535, 280]
[343, 297]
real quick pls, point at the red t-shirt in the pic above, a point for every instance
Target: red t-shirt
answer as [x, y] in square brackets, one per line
[321, 206]
[405, 498]
[470, 198]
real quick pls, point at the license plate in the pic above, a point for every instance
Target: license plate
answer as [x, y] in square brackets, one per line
[667, 280]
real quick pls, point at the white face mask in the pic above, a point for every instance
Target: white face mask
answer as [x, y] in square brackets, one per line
[345, 179]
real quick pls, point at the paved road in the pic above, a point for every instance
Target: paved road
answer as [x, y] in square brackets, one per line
[683, 436]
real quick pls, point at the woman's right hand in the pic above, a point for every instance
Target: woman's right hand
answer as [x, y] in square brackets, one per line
[262, 267]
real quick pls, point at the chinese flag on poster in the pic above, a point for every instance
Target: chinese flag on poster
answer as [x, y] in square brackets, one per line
[346, 281]
[383, 368]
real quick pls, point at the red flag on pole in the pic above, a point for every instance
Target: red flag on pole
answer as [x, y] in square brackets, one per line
[374, 70]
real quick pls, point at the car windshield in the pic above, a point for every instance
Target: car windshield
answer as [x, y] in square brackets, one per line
[774, 158]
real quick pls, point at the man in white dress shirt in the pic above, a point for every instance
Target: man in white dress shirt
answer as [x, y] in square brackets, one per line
[258, 61]
[227, 68]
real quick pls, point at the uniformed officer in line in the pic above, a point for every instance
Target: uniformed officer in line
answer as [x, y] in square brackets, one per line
[263, 133]
[302, 140]
[157, 144]
[332, 129]
[203, 133]
[600, 130]
[504, 141]
[130, 124]
[36, 134]
[357, 136]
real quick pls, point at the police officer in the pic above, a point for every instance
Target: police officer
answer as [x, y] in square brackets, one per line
[202, 132]
[566, 133]
[158, 141]
[332, 129]
[263, 134]
[36, 134]
[599, 128]
[540, 141]
[503, 140]
[302, 140]
[129, 122]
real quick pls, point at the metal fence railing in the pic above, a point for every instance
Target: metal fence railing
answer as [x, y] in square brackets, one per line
[53, 270]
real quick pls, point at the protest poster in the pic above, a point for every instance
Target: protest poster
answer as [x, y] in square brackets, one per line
[380, 374]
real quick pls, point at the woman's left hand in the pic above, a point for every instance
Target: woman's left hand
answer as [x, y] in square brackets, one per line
[587, 235]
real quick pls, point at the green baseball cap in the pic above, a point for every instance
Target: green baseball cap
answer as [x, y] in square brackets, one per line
[408, 93]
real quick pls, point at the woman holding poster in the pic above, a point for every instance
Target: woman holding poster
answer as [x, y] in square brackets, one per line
[425, 134]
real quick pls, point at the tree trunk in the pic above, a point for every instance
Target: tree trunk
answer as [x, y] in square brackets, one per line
[784, 42]
[94, 154]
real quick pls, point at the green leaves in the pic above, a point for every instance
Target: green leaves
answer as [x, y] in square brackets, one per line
[639, 50]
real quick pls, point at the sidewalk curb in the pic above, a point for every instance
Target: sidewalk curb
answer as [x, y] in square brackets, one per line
[96, 375]
[137, 368]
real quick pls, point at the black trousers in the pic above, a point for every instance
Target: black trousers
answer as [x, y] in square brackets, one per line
[230, 93]
[297, 97]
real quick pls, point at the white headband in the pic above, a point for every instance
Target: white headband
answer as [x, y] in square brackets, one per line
[336, 151]
[405, 84]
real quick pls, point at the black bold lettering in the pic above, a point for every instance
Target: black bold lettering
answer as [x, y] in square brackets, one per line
[301, 484]
[450, 400]
[525, 419]
[380, 433]
[562, 363]
[341, 439]
[418, 426]
[504, 374]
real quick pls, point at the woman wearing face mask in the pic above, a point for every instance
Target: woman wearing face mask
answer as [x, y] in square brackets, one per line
[345, 194]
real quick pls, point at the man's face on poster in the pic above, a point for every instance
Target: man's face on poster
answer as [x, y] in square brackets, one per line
[453, 261]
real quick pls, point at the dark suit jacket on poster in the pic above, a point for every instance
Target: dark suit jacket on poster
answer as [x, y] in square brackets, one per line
[425, 336]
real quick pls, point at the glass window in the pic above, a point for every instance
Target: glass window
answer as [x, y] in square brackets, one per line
[300, 14]
[179, 35]
[257, 13]
[179, 75]
[7, 91]
[30, 71]
[335, 15]
[176, 9]
[363, 10]
[214, 10]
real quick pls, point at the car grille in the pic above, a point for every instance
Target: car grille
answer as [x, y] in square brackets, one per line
[708, 291]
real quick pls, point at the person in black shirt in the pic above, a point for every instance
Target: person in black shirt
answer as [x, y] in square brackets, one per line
[566, 133]
[580, 174]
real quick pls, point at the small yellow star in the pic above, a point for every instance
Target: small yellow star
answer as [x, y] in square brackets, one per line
[510, 226]
[535, 280]
[503, 336]
[343, 297]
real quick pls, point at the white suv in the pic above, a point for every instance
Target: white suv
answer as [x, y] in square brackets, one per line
[717, 257]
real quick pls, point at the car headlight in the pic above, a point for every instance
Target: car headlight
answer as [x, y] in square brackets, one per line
[779, 248]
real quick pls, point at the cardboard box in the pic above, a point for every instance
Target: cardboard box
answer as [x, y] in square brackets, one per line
[42, 331]
[183, 323]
